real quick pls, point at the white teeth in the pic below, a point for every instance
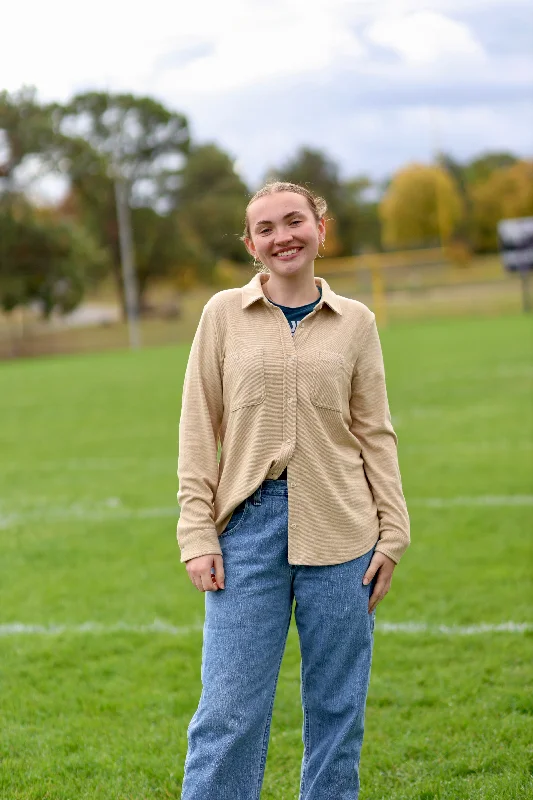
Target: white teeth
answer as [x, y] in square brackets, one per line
[288, 252]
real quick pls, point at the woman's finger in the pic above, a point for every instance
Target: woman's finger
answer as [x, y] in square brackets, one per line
[207, 582]
[380, 590]
[219, 570]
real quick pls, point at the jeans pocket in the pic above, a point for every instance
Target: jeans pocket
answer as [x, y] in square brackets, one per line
[236, 519]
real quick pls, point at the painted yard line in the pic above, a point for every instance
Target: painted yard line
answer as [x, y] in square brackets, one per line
[160, 627]
[93, 464]
[491, 500]
[473, 448]
[73, 513]
[112, 509]
[168, 465]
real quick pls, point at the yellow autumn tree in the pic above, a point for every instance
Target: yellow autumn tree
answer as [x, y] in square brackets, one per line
[505, 194]
[421, 206]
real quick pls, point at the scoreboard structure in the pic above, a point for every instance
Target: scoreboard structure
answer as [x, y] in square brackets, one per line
[515, 237]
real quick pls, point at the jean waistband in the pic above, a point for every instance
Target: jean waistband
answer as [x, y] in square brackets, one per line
[271, 487]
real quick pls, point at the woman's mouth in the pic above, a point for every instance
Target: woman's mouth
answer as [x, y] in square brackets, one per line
[286, 255]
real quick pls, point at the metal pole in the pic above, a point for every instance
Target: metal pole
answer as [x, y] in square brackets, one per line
[127, 261]
[526, 295]
[127, 258]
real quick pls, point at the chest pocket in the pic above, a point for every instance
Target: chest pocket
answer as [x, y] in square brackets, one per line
[244, 378]
[331, 381]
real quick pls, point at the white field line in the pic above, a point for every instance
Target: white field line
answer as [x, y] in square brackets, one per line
[155, 464]
[112, 509]
[85, 514]
[479, 500]
[472, 448]
[93, 464]
[160, 627]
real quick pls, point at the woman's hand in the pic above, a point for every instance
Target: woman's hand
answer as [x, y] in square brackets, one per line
[383, 566]
[199, 571]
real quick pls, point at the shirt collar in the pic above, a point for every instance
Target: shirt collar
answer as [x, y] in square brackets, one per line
[254, 291]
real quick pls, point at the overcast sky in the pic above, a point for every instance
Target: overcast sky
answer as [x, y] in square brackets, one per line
[375, 84]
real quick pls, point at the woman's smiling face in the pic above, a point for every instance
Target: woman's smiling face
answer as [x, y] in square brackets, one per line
[284, 232]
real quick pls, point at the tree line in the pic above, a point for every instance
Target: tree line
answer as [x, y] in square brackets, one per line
[187, 201]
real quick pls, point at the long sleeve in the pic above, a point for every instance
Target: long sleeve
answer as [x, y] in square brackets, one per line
[372, 426]
[200, 420]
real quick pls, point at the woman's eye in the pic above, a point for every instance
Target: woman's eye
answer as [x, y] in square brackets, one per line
[296, 221]
[265, 230]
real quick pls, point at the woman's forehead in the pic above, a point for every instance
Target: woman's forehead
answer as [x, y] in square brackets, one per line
[273, 206]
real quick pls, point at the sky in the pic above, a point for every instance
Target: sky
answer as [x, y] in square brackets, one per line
[374, 84]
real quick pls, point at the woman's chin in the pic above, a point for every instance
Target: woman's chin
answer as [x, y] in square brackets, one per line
[297, 264]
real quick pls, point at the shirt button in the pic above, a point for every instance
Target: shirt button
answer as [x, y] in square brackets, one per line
[293, 525]
[292, 399]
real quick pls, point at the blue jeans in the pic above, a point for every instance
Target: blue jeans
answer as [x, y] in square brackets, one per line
[245, 632]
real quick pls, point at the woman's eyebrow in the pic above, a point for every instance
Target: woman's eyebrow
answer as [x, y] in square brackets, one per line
[269, 222]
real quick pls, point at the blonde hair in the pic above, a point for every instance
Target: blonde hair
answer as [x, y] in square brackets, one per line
[316, 203]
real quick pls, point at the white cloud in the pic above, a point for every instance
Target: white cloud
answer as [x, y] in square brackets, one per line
[267, 45]
[125, 44]
[263, 78]
[425, 37]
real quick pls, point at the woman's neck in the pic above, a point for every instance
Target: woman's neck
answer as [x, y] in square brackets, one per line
[291, 292]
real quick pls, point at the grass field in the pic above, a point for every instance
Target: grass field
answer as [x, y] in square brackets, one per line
[98, 706]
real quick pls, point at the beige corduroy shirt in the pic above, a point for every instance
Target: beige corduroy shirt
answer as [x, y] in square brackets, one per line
[315, 402]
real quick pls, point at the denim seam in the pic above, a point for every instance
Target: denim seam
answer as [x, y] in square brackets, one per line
[264, 750]
[307, 744]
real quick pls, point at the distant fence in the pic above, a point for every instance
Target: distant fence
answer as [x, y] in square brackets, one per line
[423, 283]
[418, 284]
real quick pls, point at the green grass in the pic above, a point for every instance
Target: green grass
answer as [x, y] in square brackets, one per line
[89, 443]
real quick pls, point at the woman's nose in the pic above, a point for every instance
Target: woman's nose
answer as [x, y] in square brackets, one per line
[282, 237]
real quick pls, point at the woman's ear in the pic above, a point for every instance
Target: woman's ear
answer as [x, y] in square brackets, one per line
[248, 243]
[322, 229]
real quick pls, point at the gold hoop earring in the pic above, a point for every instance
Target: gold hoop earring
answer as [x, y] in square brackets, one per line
[320, 243]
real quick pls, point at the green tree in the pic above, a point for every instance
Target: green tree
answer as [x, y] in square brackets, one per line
[136, 138]
[505, 194]
[44, 259]
[352, 221]
[211, 201]
[163, 247]
[26, 132]
[467, 177]
[480, 168]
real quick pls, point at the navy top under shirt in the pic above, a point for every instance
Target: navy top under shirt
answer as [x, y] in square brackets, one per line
[296, 315]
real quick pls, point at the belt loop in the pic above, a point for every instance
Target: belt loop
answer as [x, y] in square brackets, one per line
[257, 496]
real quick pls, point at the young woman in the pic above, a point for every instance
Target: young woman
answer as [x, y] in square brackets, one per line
[305, 506]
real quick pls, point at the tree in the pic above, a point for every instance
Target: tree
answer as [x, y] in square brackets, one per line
[421, 206]
[26, 132]
[119, 135]
[211, 202]
[506, 193]
[352, 221]
[162, 247]
[320, 174]
[44, 260]
[481, 167]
